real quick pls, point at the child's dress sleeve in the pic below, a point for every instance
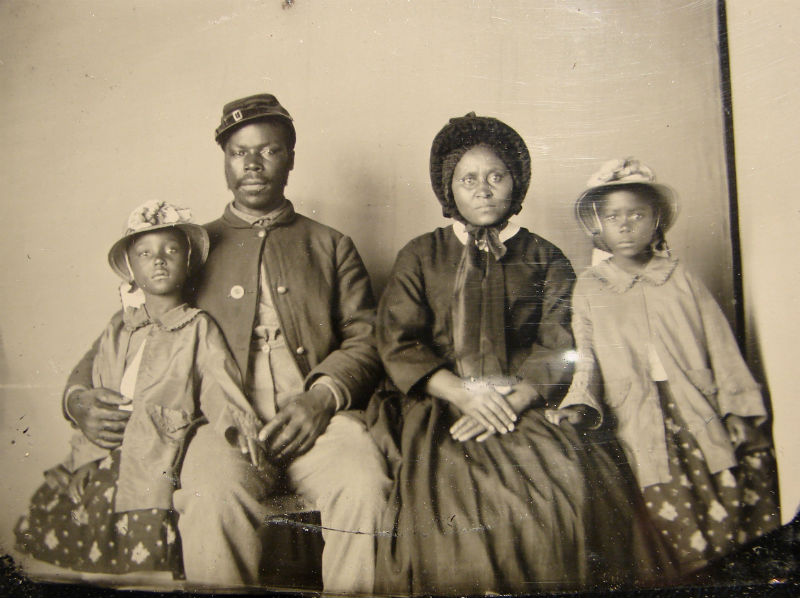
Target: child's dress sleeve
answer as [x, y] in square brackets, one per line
[587, 385]
[221, 397]
[83, 451]
[737, 392]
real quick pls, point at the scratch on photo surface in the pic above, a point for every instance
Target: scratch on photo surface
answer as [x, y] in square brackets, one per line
[307, 527]
[313, 526]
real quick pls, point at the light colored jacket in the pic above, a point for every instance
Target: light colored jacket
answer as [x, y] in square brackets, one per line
[618, 321]
[186, 374]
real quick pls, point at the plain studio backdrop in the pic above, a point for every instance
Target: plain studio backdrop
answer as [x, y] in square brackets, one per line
[107, 104]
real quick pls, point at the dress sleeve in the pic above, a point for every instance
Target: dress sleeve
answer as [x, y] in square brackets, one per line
[586, 388]
[354, 365]
[405, 324]
[222, 400]
[548, 368]
[737, 392]
[83, 451]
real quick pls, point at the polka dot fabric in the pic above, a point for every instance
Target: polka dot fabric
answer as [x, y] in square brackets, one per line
[90, 537]
[704, 516]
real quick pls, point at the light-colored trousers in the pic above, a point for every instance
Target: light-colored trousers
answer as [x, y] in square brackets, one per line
[221, 506]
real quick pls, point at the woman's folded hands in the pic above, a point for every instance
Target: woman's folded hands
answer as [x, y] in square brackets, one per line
[488, 408]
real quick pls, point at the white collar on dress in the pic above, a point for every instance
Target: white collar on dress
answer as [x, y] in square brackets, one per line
[657, 272]
[509, 231]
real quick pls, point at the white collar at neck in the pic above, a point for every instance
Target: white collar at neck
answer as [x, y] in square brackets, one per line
[509, 231]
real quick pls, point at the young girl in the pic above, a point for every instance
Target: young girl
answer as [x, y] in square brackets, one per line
[656, 353]
[111, 511]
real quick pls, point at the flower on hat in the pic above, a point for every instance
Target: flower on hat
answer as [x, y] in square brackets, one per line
[155, 213]
[629, 170]
[617, 174]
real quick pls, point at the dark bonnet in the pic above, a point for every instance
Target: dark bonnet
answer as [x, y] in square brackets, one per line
[463, 133]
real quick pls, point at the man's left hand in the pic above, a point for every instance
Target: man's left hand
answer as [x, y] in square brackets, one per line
[296, 427]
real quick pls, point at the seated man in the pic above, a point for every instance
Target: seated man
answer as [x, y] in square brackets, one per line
[294, 302]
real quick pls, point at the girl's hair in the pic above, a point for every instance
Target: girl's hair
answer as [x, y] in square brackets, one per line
[644, 192]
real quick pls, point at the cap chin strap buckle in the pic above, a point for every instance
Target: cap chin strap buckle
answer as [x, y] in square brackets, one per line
[237, 115]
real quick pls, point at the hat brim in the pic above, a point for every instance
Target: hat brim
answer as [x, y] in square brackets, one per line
[198, 241]
[585, 214]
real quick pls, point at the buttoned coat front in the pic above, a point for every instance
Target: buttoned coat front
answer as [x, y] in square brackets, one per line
[617, 319]
[320, 290]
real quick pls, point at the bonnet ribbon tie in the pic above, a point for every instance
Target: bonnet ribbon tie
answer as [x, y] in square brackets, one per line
[478, 305]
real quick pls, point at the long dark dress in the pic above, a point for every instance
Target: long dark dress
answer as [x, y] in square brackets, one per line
[538, 508]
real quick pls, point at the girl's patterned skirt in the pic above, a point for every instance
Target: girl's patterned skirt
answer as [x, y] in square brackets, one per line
[704, 516]
[91, 537]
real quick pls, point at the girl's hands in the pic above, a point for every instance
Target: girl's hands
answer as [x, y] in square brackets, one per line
[253, 449]
[250, 447]
[738, 429]
[77, 484]
[579, 416]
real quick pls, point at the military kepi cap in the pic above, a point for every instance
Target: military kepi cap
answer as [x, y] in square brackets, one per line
[245, 110]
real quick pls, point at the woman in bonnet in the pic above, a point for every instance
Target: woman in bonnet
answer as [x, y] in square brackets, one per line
[473, 329]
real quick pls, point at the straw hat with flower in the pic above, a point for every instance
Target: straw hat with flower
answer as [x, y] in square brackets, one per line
[159, 215]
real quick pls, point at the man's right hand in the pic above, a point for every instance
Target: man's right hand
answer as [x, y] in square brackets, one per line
[97, 413]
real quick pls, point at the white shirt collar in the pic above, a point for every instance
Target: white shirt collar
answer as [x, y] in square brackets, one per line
[509, 231]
